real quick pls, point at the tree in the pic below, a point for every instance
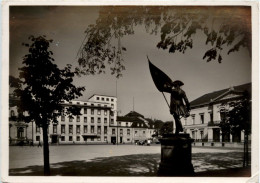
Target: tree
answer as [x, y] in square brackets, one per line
[238, 118]
[224, 28]
[42, 87]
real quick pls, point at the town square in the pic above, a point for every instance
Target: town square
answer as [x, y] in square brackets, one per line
[130, 91]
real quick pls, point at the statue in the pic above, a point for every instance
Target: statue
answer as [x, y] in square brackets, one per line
[177, 107]
[164, 84]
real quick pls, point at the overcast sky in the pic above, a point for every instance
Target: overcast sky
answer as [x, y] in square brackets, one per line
[66, 26]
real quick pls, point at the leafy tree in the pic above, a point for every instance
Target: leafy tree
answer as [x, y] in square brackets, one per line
[42, 87]
[167, 128]
[224, 28]
[238, 118]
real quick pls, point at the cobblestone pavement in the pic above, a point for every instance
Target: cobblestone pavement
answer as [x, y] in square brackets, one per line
[113, 160]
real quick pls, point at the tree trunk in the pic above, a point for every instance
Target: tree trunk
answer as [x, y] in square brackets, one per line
[46, 150]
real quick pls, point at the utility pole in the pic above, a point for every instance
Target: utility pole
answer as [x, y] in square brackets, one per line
[133, 103]
[116, 119]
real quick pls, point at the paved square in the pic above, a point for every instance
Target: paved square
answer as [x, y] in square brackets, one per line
[113, 160]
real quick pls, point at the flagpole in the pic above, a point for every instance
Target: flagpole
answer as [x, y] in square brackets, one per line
[166, 100]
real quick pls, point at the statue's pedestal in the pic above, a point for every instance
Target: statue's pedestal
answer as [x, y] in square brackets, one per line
[176, 155]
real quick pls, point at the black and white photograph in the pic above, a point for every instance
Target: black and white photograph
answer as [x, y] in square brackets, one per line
[141, 91]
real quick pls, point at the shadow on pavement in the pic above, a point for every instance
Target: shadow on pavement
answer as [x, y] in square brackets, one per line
[205, 164]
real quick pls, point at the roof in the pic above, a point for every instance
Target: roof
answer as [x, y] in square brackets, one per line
[128, 119]
[206, 99]
[100, 96]
[134, 114]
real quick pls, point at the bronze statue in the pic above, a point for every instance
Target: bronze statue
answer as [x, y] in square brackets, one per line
[177, 107]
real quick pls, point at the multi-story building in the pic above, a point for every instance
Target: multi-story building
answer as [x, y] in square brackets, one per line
[98, 123]
[135, 126]
[92, 126]
[205, 116]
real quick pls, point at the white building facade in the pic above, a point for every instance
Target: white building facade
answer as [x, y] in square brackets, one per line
[205, 117]
[97, 124]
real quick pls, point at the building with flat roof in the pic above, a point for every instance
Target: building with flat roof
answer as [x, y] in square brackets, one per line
[98, 123]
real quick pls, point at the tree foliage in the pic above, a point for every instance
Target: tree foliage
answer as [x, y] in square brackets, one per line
[237, 116]
[42, 87]
[224, 28]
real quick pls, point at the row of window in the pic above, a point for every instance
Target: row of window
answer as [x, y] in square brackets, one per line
[63, 138]
[92, 119]
[104, 99]
[78, 129]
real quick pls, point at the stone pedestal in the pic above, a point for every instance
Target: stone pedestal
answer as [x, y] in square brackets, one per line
[176, 155]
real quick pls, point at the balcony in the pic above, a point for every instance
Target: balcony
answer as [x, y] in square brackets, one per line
[214, 123]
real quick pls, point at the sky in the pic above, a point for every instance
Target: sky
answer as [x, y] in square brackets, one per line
[135, 90]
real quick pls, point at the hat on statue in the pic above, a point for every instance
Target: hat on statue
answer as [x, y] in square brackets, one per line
[177, 83]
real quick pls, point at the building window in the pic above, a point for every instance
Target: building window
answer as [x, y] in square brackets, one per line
[112, 100]
[78, 138]
[126, 124]
[135, 133]
[71, 129]
[62, 138]
[85, 129]
[105, 138]
[62, 128]
[85, 104]
[92, 138]
[85, 119]
[37, 138]
[128, 131]
[37, 129]
[78, 119]
[113, 131]
[99, 129]
[78, 129]
[105, 112]
[105, 130]
[128, 139]
[121, 131]
[143, 132]
[92, 129]
[97, 98]
[112, 121]
[92, 104]
[85, 110]
[119, 123]
[54, 128]
[211, 116]
[70, 138]
[107, 99]
[99, 112]
[112, 106]
[78, 103]
[99, 120]
[62, 118]
[92, 119]
[193, 119]
[111, 113]
[102, 99]
[202, 118]
[92, 111]
[70, 119]
[105, 120]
